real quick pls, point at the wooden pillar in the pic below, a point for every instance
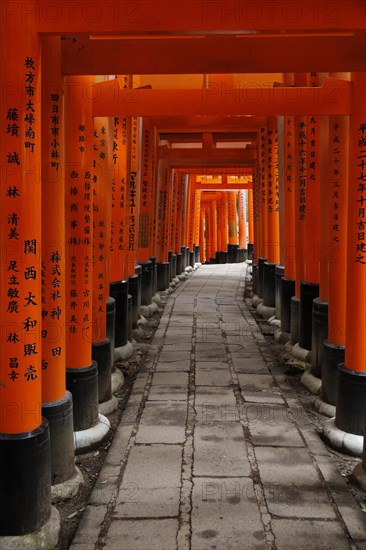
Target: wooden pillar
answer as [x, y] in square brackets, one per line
[56, 400]
[225, 222]
[272, 193]
[163, 199]
[178, 237]
[146, 211]
[232, 218]
[102, 351]
[300, 190]
[242, 208]
[263, 172]
[350, 412]
[133, 191]
[81, 371]
[250, 216]
[191, 213]
[257, 207]
[213, 224]
[312, 213]
[197, 209]
[202, 239]
[289, 244]
[25, 483]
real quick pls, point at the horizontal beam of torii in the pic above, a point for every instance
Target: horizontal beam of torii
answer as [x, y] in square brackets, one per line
[250, 53]
[214, 124]
[141, 17]
[333, 98]
[222, 186]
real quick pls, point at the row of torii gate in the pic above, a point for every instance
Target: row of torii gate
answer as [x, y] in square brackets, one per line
[105, 193]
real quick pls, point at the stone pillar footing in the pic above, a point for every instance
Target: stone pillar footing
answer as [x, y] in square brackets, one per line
[87, 440]
[342, 441]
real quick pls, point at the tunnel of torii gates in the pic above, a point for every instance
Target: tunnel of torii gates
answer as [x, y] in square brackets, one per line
[139, 138]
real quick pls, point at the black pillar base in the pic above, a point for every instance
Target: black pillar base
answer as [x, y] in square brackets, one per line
[261, 262]
[254, 278]
[129, 309]
[269, 297]
[61, 427]
[174, 266]
[184, 257]
[242, 255]
[154, 276]
[83, 384]
[279, 273]
[170, 256]
[146, 282]
[179, 263]
[308, 293]
[191, 258]
[102, 355]
[250, 251]
[351, 401]
[187, 256]
[134, 290]
[25, 481]
[319, 334]
[111, 320]
[197, 253]
[287, 292]
[119, 291]
[295, 312]
[163, 275]
[232, 253]
[332, 356]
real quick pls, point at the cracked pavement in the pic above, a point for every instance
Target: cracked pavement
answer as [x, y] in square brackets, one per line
[214, 450]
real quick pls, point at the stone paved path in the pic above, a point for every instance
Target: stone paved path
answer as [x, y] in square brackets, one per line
[214, 450]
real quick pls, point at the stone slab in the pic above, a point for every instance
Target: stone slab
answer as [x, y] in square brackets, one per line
[141, 502]
[153, 467]
[292, 485]
[213, 377]
[270, 424]
[162, 422]
[149, 534]
[225, 515]
[312, 535]
[220, 450]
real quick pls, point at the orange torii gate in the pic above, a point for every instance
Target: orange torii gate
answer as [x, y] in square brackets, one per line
[22, 24]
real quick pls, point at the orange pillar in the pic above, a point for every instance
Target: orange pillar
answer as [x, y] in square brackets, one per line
[79, 260]
[257, 206]
[213, 224]
[119, 138]
[350, 412]
[289, 245]
[242, 208]
[273, 227]
[102, 351]
[337, 186]
[146, 213]
[178, 237]
[309, 286]
[250, 217]
[232, 218]
[225, 222]
[25, 498]
[56, 400]
[196, 226]
[133, 190]
[191, 212]
[163, 200]
[263, 175]
[219, 218]
[202, 239]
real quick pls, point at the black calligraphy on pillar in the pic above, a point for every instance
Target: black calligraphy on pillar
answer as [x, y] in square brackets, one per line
[360, 224]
